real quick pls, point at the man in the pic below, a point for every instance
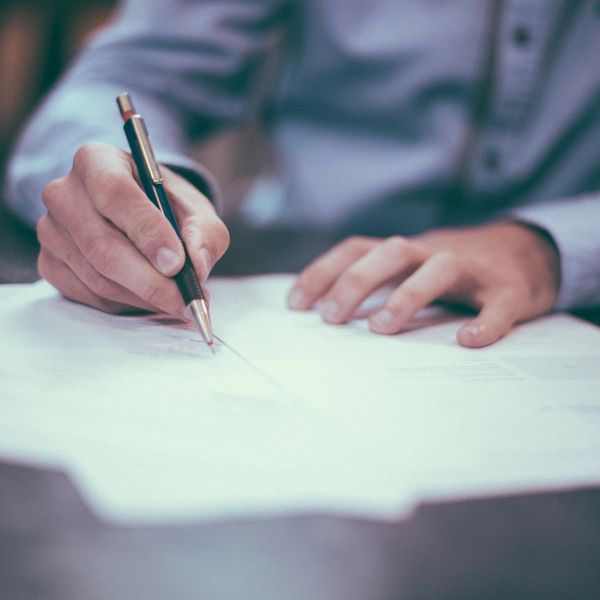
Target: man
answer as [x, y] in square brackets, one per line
[465, 133]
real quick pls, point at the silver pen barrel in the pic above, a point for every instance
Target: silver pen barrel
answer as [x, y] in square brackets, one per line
[199, 312]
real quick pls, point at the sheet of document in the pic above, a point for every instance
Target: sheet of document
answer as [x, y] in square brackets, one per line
[290, 414]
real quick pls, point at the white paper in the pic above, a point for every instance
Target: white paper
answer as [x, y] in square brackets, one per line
[291, 414]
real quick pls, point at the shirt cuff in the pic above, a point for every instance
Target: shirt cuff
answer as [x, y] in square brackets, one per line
[198, 175]
[573, 226]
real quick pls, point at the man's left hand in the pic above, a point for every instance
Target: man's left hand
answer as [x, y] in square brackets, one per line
[508, 271]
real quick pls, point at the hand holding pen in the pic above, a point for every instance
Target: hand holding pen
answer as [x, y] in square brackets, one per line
[102, 243]
[152, 181]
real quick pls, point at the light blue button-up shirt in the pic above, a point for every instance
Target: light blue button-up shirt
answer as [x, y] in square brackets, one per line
[388, 116]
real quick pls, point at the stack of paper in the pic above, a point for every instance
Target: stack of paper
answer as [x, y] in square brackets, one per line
[290, 414]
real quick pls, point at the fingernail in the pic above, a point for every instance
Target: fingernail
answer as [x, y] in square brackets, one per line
[166, 260]
[330, 310]
[472, 332]
[382, 320]
[206, 262]
[296, 298]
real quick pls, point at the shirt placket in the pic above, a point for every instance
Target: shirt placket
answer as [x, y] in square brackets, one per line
[523, 33]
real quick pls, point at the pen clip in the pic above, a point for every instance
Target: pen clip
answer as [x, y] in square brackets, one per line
[131, 116]
[146, 151]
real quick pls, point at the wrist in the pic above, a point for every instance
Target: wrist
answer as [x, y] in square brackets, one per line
[544, 243]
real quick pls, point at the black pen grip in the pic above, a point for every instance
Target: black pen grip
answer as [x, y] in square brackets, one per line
[186, 279]
[187, 282]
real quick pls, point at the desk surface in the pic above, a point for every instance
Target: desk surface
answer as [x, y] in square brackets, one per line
[535, 546]
[52, 547]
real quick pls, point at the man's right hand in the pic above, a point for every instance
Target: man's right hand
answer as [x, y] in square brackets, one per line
[103, 243]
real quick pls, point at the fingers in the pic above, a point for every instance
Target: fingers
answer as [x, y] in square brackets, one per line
[440, 275]
[322, 273]
[107, 250]
[57, 243]
[71, 287]
[117, 196]
[493, 322]
[495, 268]
[435, 278]
[394, 257]
[102, 229]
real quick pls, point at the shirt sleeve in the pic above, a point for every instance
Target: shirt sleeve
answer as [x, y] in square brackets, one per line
[190, 68]
[573, 224]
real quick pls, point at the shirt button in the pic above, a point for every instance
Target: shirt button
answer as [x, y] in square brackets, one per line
[491, 159]
[521, 36]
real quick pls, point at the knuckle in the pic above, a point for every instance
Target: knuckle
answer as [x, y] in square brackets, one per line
[411, 294]
[312, 276]
[448, 260]
[397, 246]
[87, 155]
[356, 243]
[154, 293]
[70, 255]
[42, 229]
[100, 253]
[52, 193]
[84, 156]
[109, 196]
[147, 229]
[353, 280]
[101, 286]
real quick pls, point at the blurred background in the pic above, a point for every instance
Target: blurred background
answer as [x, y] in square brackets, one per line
[38, 39]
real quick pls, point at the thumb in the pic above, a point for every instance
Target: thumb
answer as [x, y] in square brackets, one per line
[493, 322]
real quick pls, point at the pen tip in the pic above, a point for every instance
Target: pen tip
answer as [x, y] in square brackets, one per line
[199, 312]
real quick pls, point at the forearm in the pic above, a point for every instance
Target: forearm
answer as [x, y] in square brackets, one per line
[189, 69]
[71, 117]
